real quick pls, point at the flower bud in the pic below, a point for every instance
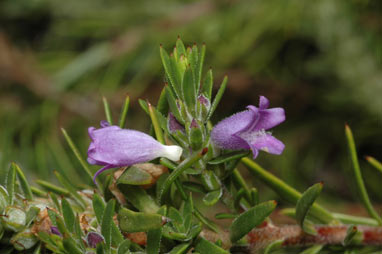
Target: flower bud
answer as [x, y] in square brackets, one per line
[114, 147]
[93, 239]
[13, 218]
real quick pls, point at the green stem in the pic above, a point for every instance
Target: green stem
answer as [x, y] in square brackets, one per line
[358, 176]
[284, 190]
[239, 180]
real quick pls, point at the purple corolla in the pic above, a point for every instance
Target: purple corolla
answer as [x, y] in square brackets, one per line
[113, 147]
[248, 129]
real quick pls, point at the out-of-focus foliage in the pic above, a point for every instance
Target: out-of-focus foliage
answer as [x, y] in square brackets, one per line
[320, 60]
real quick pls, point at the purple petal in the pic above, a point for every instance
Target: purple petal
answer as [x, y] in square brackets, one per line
[115, 147]
[93, 239]
[269, 118]
[100, 171]
[263, 103]
[224, 134]
[265, 142]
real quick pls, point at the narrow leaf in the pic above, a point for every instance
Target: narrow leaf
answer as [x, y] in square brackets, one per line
[358, 176]
[218, 97]
[78, 155]
[212, 197]
[130, 221]
[313, 250]
[156, 125]
[135, 176]
[189, 89]
[107, 110]
[11, 183]
[179, 249]
[304, 204]
[107, 219]
[139, 198]
[173, 105]
[71, 189]
[375, 163]
[208, 85]
[53, 188]
[124, 247]
[98, 207]
[68, 214]
[205, 246]
[273, 246]
[23, 183]
[154, 236]
[123, 115]
[228, 157]
[246, 221]
[172, 72]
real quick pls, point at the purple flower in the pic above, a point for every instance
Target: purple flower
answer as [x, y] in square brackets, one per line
[55, 231]
[248, 129]
[113, 147]
[93, 239]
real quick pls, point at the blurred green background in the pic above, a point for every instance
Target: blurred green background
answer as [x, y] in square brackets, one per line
[320, 60]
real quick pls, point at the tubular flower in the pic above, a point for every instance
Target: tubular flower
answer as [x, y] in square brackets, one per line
[113, 147]
[248, 129]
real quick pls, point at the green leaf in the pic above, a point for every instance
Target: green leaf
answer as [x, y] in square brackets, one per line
[180, 49]
[53, 188]
[38, 192]
[246, 221]
[107, 220]
[3, 198]
[135, 176]
[78, 155]
[56, 203]
[156, 124]
[123, 115]
[130, 221]
[139, 198]
[304, 204]
[223, 216]
[228, 157]
[173, 105]
[358, 177]
[23, 183]
[31, 215]
[78, 232]
[194, 187]
[208, 85]
[179, 249]
[124, 247]
[98, 207]
[68, 214]
[71, 247]
[313, 250]
[205, 246]
[218, 97]
[172, 72]
[189, 90]
[212, 197]
[273, 246]
[375, 163]
[199, 68]
[11, 183]
[210, 180]
[162, 105]
[154, 236]
[353, 236]
[107, 110]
